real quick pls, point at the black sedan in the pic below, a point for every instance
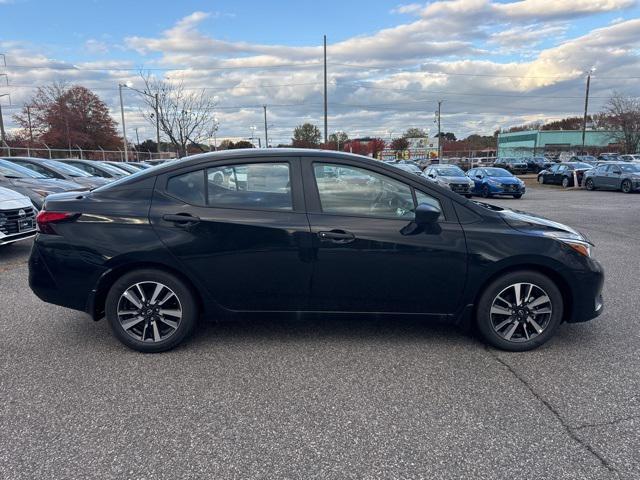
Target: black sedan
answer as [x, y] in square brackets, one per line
[32, 184]
[563, 174]
[60, 170]
[99, 169]
[287, 230]
[614, 176]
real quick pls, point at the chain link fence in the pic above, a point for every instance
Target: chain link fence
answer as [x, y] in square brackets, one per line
[7, 150]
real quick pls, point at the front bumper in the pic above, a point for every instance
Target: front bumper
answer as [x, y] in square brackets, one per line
[507, 189]
[587, 301]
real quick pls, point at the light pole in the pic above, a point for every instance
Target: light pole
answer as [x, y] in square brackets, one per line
[586, 107]
[253, 129]
[266, 135]
[124, 128]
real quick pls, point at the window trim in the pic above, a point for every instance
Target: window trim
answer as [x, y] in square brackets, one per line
[297, 198]
[315, 205]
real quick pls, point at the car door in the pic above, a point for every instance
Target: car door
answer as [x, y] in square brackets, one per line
[599, 176]
[240, 228]
[614, 177]
[370, 257]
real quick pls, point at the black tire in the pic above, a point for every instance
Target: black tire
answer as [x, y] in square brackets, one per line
[541, 179]
[485, 192]
[626, 186]
[185, 299]
[518, 196]
[468, 195]
[495, 288]
[565, 182]
[589, 185]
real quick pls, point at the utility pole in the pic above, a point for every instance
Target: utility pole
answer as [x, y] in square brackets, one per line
[586, 107]
[124, 128]
[266, 134]
[325, 90]
[137, 137]
[157, 123]
[2, 134]
[28, 107]
[439, 132]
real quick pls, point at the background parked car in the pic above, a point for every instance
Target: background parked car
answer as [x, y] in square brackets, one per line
[100, 169]
[450, 176]
[590, 159]
[536, 164]
[631, 158]
[126, 166]
[60, 170]
[491, 181]
[517, 166]
[33, 184]
[408, 167]
[562, 173]
[614, 176]
[17, 217]
[608, 156]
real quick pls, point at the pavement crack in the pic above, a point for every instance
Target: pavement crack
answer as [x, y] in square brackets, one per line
[606, 424]
[571, 432]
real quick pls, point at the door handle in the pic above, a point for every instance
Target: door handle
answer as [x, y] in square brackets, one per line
[181, 220]
[337, 236]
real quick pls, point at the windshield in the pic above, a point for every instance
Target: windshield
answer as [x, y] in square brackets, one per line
[450, 172]
[111, 169]
[12, 170]
[64, 168]
[497, 172]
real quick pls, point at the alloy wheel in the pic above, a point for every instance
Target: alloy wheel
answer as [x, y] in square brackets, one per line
[565, 182]
[149, 311]
[521, 312]
[589, 184]
[626, 186]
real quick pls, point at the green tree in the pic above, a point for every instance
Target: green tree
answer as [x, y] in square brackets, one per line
[415, 133]
[306, 135]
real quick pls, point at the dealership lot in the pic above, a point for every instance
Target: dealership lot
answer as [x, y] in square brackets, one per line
[335, 397]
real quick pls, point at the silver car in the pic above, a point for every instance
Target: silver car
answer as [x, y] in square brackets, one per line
[17, 217]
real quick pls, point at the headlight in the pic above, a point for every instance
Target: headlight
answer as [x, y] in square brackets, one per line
[583, 248]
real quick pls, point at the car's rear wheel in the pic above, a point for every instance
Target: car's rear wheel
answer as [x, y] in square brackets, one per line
[626, 186]
[565, 182]
[151, 310]
[519, 311]
[589, 184]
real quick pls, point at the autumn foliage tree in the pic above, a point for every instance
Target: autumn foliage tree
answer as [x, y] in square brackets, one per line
[62, 116]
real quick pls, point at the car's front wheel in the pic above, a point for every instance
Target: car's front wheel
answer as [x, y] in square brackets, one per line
[541, 179]
[589, 184]
[485, 192]
[151, 310]
[519, 311]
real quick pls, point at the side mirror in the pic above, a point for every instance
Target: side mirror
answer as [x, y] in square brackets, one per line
[426, 214]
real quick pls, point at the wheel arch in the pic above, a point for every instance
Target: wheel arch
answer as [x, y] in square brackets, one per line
[97, 302]
[557, 278]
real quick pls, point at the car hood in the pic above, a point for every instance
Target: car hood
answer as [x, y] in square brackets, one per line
[536, 225]
[50, 184]
[460, 179]
[506, 180]
[91, 182]
[9, 195]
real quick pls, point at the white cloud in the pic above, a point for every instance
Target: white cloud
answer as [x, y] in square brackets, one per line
[94, 46]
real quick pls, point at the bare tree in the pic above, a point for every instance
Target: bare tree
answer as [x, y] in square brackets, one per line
[623, 119]
[185, 115]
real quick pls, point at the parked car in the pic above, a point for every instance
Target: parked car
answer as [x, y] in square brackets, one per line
[609, 156]
[490, 181]
[450, 176]
[536, 164]
[516, 166]
[96, 168]
[590, 159]
[60, 170]
[181, 241]
[126, 166]
[409, 167]
[32, 184]
[562, 173]
[17, 217]
[614, 176]
[635, 158]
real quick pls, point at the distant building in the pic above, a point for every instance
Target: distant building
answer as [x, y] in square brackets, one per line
[538, 142]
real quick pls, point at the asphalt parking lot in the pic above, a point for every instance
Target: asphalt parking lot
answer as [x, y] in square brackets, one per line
[330, 397]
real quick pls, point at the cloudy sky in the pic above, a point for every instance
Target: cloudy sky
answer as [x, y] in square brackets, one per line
[492, 63]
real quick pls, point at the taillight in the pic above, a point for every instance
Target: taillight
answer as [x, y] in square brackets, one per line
[46, 219]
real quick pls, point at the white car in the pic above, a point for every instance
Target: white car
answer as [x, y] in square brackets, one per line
[635, 158]
[17, 217]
